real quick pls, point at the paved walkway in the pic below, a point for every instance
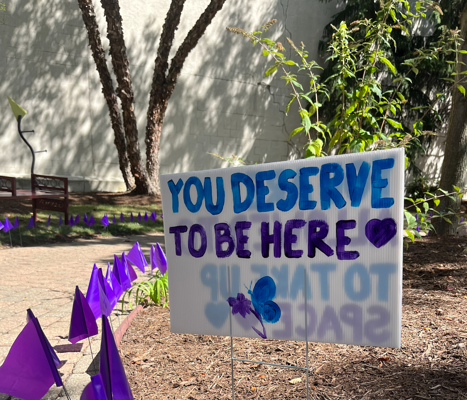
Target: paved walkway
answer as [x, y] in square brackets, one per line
[44, 279]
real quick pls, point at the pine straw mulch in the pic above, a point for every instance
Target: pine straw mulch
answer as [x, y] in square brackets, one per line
[430, 365]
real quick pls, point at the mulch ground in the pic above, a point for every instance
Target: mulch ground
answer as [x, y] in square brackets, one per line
[430, 365]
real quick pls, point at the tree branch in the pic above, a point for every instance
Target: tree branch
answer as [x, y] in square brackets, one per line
[191, 41]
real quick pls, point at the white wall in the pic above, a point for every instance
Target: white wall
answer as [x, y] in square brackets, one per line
[217, 107]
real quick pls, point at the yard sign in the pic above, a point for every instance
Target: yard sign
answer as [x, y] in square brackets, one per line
[339, 218]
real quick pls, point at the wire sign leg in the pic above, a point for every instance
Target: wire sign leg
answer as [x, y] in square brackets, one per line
[231, 341]
[306, 339]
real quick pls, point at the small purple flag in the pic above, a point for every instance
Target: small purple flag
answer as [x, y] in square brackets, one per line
[60, 222]
[7, 225]
[29, 369]
[136, 257]
[77, 219]
[146, 217]
[109, 293]
[71, 222]
[113, 282]
[91, 221]
[48, 221]
[94, 390]
[162, 216]
[160, 259]
[132, 218]
[114, 221]
[120, 273]
[153, 216]
[16, 224]
[105, 221]
[139, 217]
[31, 223]
[128, 268]
[96, 297]
[83, 324]
[85, 218]
[111, 368]
[122, 218]
[1, 225]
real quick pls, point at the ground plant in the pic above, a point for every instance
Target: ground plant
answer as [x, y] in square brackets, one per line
[369, 114]
[151, 291]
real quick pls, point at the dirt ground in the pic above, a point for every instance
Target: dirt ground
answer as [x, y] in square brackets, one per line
[431, 363]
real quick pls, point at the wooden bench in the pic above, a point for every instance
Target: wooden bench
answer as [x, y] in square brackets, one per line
[48, 193]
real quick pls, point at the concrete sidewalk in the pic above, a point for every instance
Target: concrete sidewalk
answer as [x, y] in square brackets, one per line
[44, 279]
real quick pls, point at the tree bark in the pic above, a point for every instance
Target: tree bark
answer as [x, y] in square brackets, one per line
[98, 54]
[164, 81]
[455, 153]
[125, 93]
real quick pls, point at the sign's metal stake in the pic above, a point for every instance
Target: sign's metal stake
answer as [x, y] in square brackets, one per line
[231, 342]
[306, 337]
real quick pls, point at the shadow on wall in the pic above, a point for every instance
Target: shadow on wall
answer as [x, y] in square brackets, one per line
[222, 103]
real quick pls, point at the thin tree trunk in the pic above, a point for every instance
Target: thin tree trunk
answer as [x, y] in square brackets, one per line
[125, 93]
[453, 171]
[98, 54]
[164, 81]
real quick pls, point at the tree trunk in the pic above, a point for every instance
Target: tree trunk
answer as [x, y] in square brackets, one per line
[164, 81]
[455, 153]
[125, 93]
[98, 54]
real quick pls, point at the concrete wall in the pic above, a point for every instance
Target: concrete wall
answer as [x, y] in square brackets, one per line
[222, 103]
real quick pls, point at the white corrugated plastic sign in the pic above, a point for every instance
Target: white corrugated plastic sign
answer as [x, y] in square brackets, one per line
[338, 218]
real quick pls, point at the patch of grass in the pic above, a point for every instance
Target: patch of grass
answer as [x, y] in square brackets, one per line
[43, 234]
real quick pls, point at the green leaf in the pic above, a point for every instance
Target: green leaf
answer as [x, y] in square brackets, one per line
[266, 52]
[295, 131]
[388, 64]
[410, 218]
[271, 70]
[395, 124]
[410, 235]
[289, 104]
[306, 122]
[436, 201]
[461, 89]
[426, 206]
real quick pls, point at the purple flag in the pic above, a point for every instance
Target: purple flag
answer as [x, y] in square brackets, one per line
[111, 368]
[7, 225]
[71, 222]
[120, 273]
[96, 297]
[162, 216]
[1, 225]
[31, 223]
[91, 221]
[114, 221]
[109, 293]
[48, 221]
[113, 282]
[139, 217]
[146, 217]
[29, 369]
[122, 218]
[94, 390]
[77, 219]
[153, 216]
[105, 221]
[161, 260]
[16, 224]
[85, 218]
[128, 268]
[60, 222]
[83, 324]
[136, 257]
[131, 217]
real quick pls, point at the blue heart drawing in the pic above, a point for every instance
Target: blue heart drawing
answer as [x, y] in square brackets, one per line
[217, 313]
[379, 232]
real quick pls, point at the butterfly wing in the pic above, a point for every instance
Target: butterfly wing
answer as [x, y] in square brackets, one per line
[263, 292]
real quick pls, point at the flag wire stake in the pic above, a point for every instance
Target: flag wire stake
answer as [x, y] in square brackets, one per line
[11, 243]
[66, 392]
[90, 348]
[231, 342]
